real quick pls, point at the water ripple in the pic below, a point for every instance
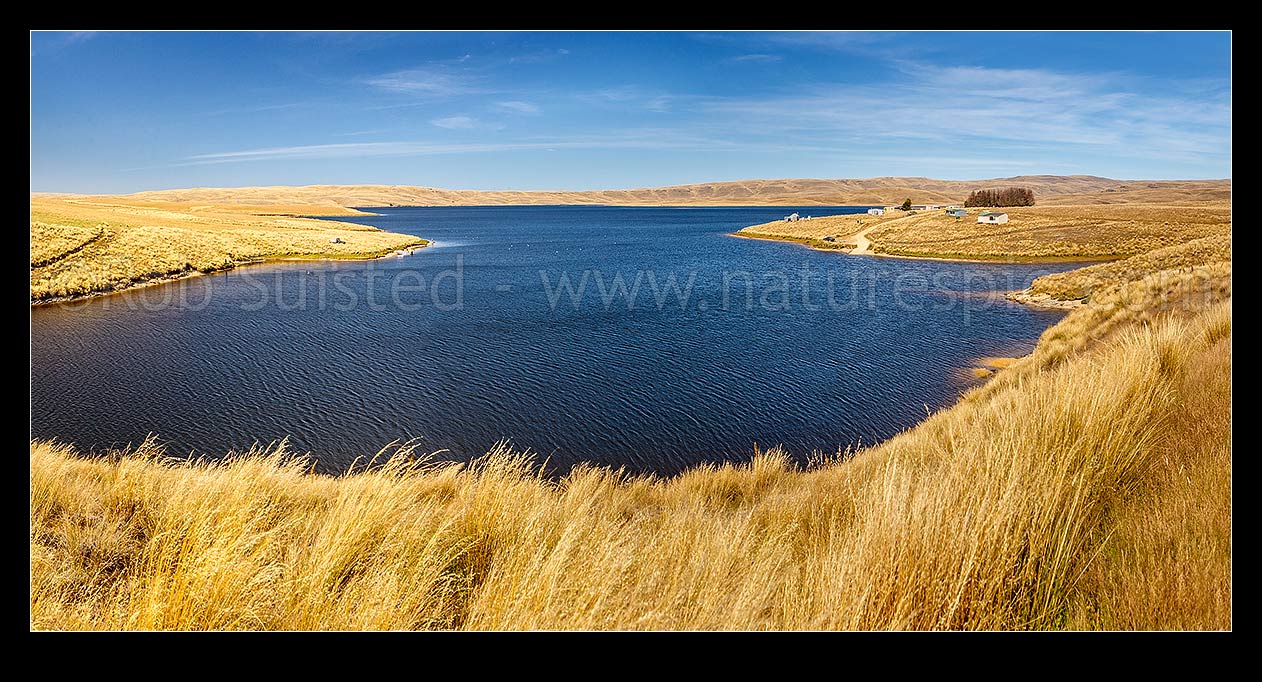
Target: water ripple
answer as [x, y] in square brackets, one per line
[652, 389]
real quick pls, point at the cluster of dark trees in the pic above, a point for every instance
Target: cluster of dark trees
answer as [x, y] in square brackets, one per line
[1011, 196]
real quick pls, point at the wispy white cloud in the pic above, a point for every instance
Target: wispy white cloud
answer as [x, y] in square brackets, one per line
[517, 107]
[757, 58]
[632, 96]
[967, 117]
[53, 41]
[960, 160]
[659, 104]
[430, 81]
[1012, 108]
[339, 39]
[539, 56]
[875, 44]
[636, 138]
[455, 122]
[80, 36]
[279, 106]
[300, 151]
[621, 93]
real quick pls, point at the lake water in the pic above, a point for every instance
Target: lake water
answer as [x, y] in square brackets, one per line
[724, 342]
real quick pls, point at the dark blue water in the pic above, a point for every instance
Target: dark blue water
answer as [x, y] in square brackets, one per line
[726, 342]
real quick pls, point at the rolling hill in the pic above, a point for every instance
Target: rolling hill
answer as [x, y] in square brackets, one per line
[1049, 189]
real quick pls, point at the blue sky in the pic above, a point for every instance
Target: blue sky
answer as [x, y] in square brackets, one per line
[124, 112]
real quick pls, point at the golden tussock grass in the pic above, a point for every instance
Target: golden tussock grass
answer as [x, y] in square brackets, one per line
[80, 247]
[1088, 488]
[51, 243]
[1179, 293]
[1082, 282]
[1167, 563]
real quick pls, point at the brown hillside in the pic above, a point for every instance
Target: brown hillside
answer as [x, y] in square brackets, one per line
[1048, 189]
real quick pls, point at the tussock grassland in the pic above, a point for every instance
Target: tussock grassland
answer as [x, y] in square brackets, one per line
[1086, 486]
[1082, 282]
[1180, 293]
[1061, 232]
[51, 243]
[79, 247]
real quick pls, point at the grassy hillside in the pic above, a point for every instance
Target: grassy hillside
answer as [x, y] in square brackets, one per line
[1083, 282]
[789, 192]
[1173, 193]
[1086, 486]
[81, 247]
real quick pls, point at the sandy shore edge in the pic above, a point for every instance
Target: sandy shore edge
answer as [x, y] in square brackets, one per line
[1030, 298]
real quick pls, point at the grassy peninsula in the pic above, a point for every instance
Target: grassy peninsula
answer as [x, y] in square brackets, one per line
[1033, 233]
[84, 246]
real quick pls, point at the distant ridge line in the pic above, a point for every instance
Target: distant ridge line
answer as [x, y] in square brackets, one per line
[794, 191]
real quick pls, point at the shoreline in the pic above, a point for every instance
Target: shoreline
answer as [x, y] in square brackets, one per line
[987, 367]
[848, 249]
[1021, 296]
[844, 247]
[191, 273]
[1026, 297]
